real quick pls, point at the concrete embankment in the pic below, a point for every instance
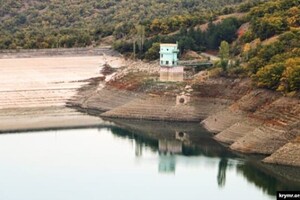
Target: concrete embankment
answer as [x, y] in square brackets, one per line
[114, 102]
[262, 122]
[248, 120]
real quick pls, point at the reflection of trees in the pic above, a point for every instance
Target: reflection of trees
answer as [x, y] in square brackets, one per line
[266, 182]
[140, 140]
[259, 178]
[199, 141]
[222, 172]
[138, 149]
[205, 146]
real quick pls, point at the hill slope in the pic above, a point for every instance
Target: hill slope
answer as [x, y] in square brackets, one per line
[71, 23]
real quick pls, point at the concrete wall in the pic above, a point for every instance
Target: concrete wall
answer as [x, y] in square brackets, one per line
[172, 74]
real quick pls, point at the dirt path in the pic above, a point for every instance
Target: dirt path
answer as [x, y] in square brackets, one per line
[33, 91]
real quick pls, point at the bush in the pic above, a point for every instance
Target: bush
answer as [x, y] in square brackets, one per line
[291, 75]
[123, 46]
[269, 76]
[153, 52]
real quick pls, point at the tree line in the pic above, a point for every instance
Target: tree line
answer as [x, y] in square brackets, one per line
[78, 23]
[187, 38]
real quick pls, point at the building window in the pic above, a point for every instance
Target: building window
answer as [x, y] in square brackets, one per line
[161, 62]
[167, 62]
[173, 62]
[167, 49]
[162, 55]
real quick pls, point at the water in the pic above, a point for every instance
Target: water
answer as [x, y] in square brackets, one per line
[142, 160]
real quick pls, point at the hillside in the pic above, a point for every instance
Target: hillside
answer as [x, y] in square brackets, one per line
[264, 36]
[270, 48]
[74, 23]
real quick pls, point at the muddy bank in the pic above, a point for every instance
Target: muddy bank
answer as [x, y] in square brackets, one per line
[249, 120]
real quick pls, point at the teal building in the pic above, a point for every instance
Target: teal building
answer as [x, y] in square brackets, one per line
[168, 55]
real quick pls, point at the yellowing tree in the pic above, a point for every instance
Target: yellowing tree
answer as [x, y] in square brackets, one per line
[294, 17]
[291, 75]
[269, 76]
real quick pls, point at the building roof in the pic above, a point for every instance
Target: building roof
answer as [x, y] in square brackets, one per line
[168, 45]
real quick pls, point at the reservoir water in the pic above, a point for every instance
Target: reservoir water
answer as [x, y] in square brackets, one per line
[133, 160]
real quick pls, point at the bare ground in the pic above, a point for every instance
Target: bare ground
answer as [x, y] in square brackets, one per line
[249, 120]
[34, 91]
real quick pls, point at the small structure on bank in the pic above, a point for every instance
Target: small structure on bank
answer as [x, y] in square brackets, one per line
[173, 70]
[169, 69]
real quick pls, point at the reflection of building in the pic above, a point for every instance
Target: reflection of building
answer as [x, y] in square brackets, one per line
[182, 136]
[169, 71]
[171, 147]
[167, 148]
[167, 164]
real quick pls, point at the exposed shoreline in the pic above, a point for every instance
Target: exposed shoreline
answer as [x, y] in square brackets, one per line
[61, 52]
[248, 120]
[36, 84]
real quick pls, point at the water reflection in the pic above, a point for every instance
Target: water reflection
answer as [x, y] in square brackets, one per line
[260, 176]
[222, 172]
[167, 164]
[134, 159]
[170, 146]
[172, 140]
[138, 149]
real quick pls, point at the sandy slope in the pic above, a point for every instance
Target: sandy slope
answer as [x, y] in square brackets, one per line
[33, 91]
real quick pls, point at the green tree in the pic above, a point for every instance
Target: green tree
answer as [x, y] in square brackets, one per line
[185, 43]
[140, 37]
[153, 52]
[224, 54]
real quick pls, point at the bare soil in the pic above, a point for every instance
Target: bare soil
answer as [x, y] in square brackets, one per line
[34, 91]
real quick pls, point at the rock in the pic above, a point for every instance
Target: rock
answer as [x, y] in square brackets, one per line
[289, 154]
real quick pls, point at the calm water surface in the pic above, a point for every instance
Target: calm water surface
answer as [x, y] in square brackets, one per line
[139, 161]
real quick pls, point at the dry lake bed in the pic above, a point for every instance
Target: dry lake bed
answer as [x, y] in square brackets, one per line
[34, 91]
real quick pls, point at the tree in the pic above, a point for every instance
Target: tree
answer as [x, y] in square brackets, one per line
[186, 43]
[153, 52]
[290, 80]
[224, 54]
[246, 49]
[140, 37]
[269, 76]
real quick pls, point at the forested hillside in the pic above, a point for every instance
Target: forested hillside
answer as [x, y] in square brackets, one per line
[267, 48]
[77, 23]
[271, 46]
